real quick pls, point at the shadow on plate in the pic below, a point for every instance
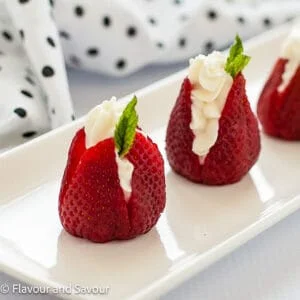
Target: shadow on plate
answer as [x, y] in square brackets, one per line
[123, 266]
[202, 216]
[280, 165]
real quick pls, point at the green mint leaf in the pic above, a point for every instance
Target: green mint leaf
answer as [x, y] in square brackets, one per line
[125, 130]
[236, 60]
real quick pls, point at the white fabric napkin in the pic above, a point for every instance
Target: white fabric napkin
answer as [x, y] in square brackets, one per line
[114, 37]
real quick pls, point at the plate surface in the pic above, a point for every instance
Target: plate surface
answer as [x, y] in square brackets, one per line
[200, 225]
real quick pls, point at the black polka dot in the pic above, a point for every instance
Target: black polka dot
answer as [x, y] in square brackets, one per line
[182, 42]
[23, 1]
[152, 21]
[79, 11]
[75, 61]
[131, 31]
[72, 117]
[241, 20]
[93, 51]
[106, 21]
[160, 45]
[29, 134]
[267, 22]
[26, 93]
[289, 19]
[47, 71]
[121, 64]
[53, 111]
[21, 112]
[22, 35]
[212, 14]
[29, 80]
[51, 41]
[64, 34]
[51, 3]
[7, 35]
[209, 46]
[177, 2]
[1, 53]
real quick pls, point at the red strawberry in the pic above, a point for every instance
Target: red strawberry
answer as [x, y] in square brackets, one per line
[92, 204]
[237, 146]
[279, 111]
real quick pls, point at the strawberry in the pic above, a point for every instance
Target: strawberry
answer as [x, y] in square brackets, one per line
[238, 141]
[278, 111]
[92, 204]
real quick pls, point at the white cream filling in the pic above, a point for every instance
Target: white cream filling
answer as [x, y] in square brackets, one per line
[291, 52]
[125, 171]
[100, 125]
[211, 85]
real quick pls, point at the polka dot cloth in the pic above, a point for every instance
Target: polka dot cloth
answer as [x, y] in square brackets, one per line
[109, 37]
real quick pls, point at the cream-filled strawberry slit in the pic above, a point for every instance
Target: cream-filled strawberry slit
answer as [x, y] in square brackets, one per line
[125, 170]
[99, 125]
[291, 53]
[210, 87]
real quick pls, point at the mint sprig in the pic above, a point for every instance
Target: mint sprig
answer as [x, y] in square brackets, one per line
[125, 130]
[236, 60]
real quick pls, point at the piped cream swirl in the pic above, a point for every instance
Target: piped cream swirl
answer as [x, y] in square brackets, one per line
[211, 85]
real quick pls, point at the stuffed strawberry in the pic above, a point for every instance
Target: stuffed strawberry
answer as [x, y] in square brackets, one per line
[279, 103]
[212, 135]
[113, 187]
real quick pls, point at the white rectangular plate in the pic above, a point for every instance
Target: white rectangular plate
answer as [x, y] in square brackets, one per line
[200, 224]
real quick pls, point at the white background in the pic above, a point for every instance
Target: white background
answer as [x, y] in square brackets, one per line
[266, 268]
